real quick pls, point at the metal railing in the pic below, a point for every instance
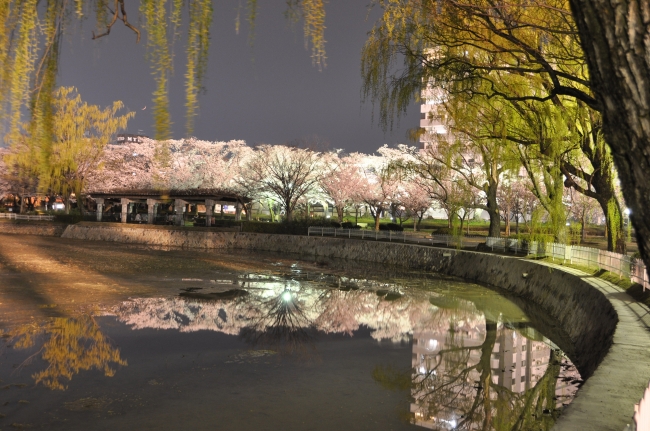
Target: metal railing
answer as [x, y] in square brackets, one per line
[26, 216]
[397, 236]
[619, 264]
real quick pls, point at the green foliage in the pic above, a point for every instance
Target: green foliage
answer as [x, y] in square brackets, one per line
[295, 227]
[197, 56]
[29, 50]
[80, 132]
[155, 22]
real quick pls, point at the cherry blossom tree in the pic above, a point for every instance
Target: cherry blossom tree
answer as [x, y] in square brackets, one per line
[174, 164]
[378, 188]
[128, 166]
[210, 165]
[341, 180]
[284, 173]
[582, 208]
[416, 200]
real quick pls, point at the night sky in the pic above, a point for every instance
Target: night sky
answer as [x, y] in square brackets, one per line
[270, 93]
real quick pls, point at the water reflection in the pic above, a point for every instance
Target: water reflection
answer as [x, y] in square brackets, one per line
[281, 312]
[69, 345]
[481, 374]
[475, 361]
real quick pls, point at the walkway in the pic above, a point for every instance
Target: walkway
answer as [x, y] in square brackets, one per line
[599, 404]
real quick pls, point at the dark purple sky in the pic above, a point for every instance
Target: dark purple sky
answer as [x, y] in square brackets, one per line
[270, 93]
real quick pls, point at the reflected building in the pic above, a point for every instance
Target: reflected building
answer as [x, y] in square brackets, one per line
[517, 363]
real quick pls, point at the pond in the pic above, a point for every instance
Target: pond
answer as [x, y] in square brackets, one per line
[259, 342]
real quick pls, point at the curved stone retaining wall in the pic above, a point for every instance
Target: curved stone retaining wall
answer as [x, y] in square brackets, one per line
[583, 312]
[32, 228]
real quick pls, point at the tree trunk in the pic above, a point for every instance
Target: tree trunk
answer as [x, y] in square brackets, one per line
[80, 203]
[339, 211]
[614, 39]
[614, 226]
[288, 213]
[494, 231]
[558, 225]
[377, 214]
[517, 223]
[248, 208]
[271, 212]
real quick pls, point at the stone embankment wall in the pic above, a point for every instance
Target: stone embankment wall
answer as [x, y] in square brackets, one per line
[582, 312]
[32, 228]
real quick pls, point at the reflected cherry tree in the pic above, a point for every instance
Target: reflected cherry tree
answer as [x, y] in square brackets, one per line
[284, 311]
[281, 321]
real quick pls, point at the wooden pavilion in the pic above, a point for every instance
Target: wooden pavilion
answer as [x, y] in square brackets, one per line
[179, 199]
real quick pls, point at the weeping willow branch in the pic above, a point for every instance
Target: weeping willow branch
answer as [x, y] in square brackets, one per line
[198, 45]
[123, 18]
[29, 51]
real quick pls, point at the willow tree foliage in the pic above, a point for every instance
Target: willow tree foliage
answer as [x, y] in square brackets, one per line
[80, 133]
[31, 33]
[468, 49]
[69, 346]
[475, 151]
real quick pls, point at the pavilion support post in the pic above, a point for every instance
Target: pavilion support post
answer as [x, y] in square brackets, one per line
[100, 208]
[209, 210]
[125, 209]
[238, 211]
[179, 206]
[151, 210]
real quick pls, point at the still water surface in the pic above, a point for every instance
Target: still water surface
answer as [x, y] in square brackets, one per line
[288, 347]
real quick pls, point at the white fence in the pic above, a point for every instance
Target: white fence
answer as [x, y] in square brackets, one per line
[26, 217]
[621, 265]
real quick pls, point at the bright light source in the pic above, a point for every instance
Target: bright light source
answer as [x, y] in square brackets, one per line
[628, 211]
[286, 296]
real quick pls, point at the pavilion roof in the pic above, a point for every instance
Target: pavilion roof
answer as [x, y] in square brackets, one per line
[186, 194]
